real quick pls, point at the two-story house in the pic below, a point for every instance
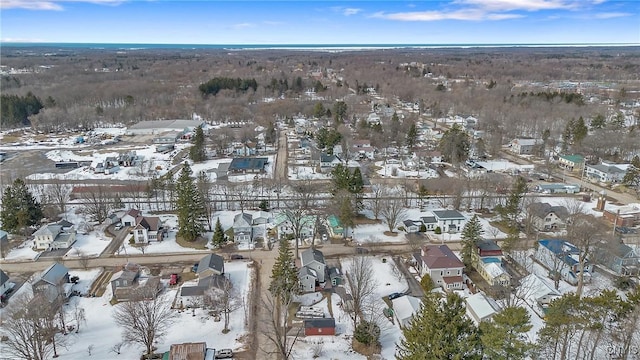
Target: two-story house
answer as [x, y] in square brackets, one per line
[53, 283]
[212, 264]
[451, 221]
[620, 258]
[561, 256]
[60, 235]
[442, 265]
[606, 172]
[243, 228]
[545, 217]
[312, 271]
[284, 227]
[571, 162]
[524, 146]
[145, 228]
[487, 258]
[128, 284]
[538, 293]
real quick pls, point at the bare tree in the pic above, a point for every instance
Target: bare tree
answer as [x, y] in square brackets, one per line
[203, 183]
[223, 300]
[144, 321]
[59, 194]
[96, 203]
[393, 209]
[79, 316]
[361, 283]
[585, 232]
[277, 327]
[375, 200]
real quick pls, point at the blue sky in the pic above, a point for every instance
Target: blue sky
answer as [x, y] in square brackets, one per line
[321, 22]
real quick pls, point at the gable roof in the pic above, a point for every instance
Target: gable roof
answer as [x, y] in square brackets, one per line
[482, 306]
[3, 277]
[247, 164]
[311, 254]
[53, 274]
[440, 257]
[133, 212]
[541, 210]
[448, 215]
[242, 220]
[577, 159]
[149, 223]
[406, 306]
[49, 229]
[488, 245]
[126, 274]
[211, 261]
[537, 287]
[188, 351]
[320, 323]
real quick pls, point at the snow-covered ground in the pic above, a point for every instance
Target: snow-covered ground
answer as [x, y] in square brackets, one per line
[387, 170]
[101, 332]
[306, 173]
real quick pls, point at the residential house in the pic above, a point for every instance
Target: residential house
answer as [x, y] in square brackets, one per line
[524, 146]
[435, 157]
[561, 256]
[129, 218]
[194, 295]
[321, 326]
[4, 237]
[571, 162]
[481, 307]
[168, 138]
[60, 235]
[412, 226]
[620, 258]
[545, 217]
[188, 351]
[243, 228]
[538, 293]
[246, 149]
[606, 172]
[249, 165]
[53, 283]
[328, 162]
[284, 227]
[335, 275]
[148, 229]
[312, 271]
[487, 258]
[444, 268]
[429, 222]
[404, 308]
[335, 227]
[212, 264]
[112, 219]
[128, 284]
[373, 119]
[451, 221]
[5, 284]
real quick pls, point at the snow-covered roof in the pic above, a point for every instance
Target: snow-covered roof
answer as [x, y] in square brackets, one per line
[481, 306]
[405, 306]
[535, 287]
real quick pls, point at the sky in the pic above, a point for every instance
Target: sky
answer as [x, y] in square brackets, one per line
[321, 22]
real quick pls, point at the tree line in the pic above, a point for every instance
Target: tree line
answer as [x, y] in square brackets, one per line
[15, 110]
[213, 86]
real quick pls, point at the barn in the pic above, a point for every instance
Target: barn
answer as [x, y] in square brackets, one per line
[325, 326]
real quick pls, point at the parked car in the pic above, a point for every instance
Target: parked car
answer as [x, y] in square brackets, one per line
[395, 295]
[237, 257]
[224, 354]
[174, 279]
[361, 250]
[325, 237]
[194, 268]
[118, 227]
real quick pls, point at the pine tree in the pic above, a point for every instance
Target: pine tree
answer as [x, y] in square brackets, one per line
[506, 336]
[218, 235]
[189, 206]
[197, 151]
[284, 275]
[20, 209]
[471, 235]
[512, 209]
[580, 131]
[454, 144]
[440, 330]
[412, 136]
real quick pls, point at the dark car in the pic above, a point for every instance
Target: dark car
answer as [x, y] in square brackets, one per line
[237, 257]
[360, 250]
[194, 268]
[395, 295]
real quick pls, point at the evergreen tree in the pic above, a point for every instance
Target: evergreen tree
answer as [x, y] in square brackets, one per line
[580, 131]
[197, 151]
[339, 111]
[512, 209]
[218, 235]
[284, 275]
[356, 185]
[471, 235]
[567, 134]
[454, 144]
[506, 336]
[394, 127]
[189, 206]
[412, 136]
[319, 110]
[598, 122]
[20, 209]
[341, 178]
[440, 330]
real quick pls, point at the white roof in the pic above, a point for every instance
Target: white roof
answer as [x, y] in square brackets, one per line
[535, 287]
[405, 306]
[494, 269]
[482, 306]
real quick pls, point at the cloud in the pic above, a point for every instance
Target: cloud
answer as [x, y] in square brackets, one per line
[479, 10]
[611, 15]
[346, 11]
[49, 4]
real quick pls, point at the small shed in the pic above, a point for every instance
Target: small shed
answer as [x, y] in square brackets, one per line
[325, 326]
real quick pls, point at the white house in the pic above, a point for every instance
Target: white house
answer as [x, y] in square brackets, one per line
[562, 256]
[524, 146]
[404, 308]
[147, 229]
[545, 217]
[442, 265]
[60, 235]
[605, 172]
[538, 293]
[451, 221]
[412, 226]
[285, 228]
[242, 227]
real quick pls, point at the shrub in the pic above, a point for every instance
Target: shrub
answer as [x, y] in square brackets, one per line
[427, 283]
[423, 228]
[131, 241]
[438, 231]
[367, 332]
[401, 228]
[624, 283]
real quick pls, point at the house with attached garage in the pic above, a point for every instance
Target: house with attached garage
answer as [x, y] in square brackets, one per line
[194, 295]
[442, 265]
[60, 235]
[313, 270]
[412, 226]
[545, 217]
[144, 228]
[130, 284]
[328, 162]
[524, 146]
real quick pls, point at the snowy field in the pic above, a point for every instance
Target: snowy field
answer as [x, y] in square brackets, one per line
[101, 332]
[387, 170]
[306, 173]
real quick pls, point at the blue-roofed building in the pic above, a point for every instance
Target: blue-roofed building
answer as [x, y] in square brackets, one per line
[561, 256]
[248, 165]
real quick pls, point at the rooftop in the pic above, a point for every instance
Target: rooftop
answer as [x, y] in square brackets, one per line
[248, 164]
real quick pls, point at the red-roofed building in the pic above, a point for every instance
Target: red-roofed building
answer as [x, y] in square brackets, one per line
[442, 265]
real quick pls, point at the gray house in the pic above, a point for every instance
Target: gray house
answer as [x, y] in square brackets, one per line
[621, 258]
[242, 227]
[212, 264]
[53, 283]
[5, 284]
[545, 217]
[312, 269]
